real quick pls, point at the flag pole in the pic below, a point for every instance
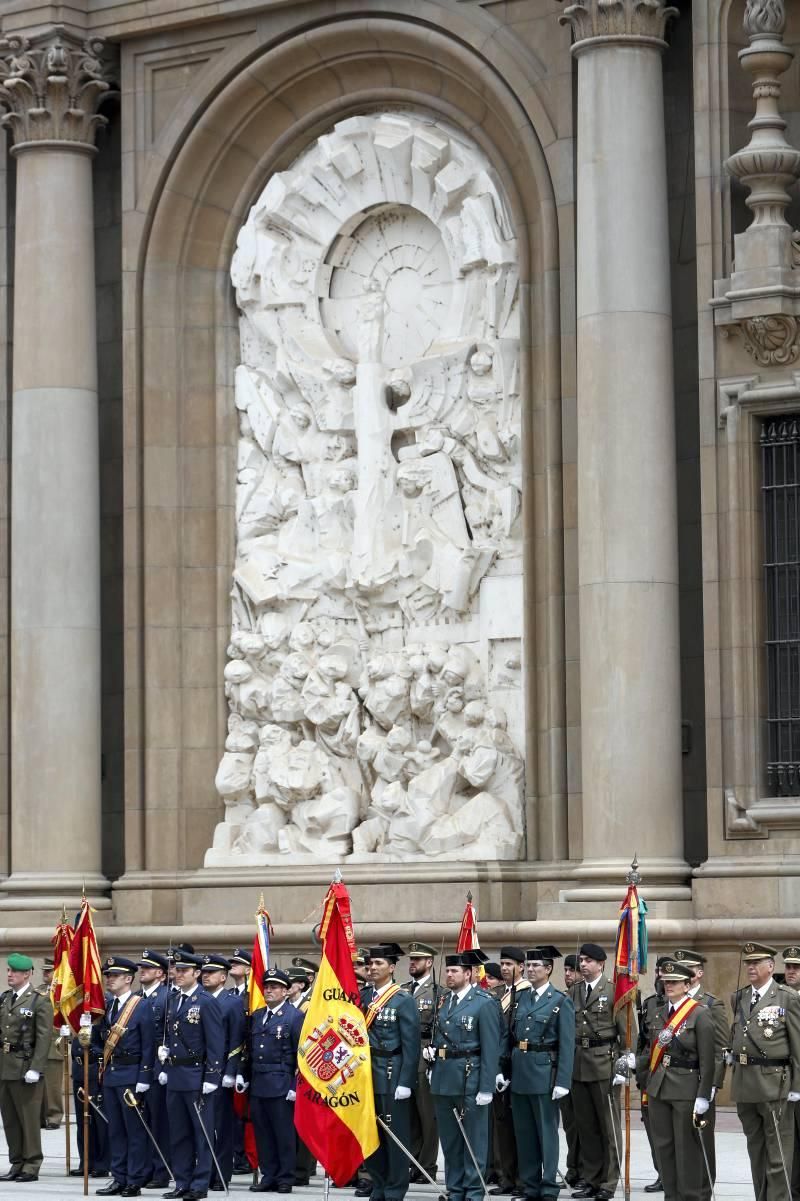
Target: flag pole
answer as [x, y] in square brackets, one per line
[65, 1086]
[632, 878]
[85, 1046]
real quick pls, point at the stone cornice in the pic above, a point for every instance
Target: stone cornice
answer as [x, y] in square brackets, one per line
[643, 21]
[51, 86]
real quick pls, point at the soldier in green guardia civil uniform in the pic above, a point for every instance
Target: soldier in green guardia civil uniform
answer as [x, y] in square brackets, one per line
[394, 1042]
[791, 977]
[465, 1059]
[541, 1051]
[26, 1025]
[681, 1069]
[426, 993]
[765, 1058]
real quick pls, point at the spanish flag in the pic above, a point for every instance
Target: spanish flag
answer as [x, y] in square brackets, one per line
[260, 960]
[468, 939]
[335, 1108]
[82, 982]
[62, 941]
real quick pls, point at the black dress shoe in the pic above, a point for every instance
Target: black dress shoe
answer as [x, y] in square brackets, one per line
[26, 1178]
[364, 1188]
[586, 1191]
[194, 1194]
[111, 1190]
[131, 1191]
[95, 1175]
[216, 1186]
[12, 1174]
[283, 1188]
[262, 1187]
[241, 1167]
[175, 1192]
[604, 1194]
[156, 1184]
[72, 1172]
[655, 1187]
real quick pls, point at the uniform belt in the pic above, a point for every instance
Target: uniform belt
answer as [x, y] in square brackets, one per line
[121, 1060]
[597, 1042]
[678, 1061]
[526, 1047]
[749, 1061]
[452, 1053]
[385, 1052]
[184, 1061]
[25, 1048]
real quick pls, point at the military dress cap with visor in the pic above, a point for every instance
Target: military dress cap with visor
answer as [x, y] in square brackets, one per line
[591, 950]
[186, 958]
[753, 951]
[791, 955]
[389, 951]
[275, 975]
[672, 970]
[362, 955]
[693, 958]
[515, 953]
[420, 950]
[20, 963]
[115, 964]
[150, 958]
[240, 955]
[48, 964]
[545, 954]
[296, 976]
[214, 962]
[308, 964]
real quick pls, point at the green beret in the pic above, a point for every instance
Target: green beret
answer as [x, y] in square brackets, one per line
[20, 963]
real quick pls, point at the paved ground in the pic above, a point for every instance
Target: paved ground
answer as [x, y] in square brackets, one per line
[733, 1182]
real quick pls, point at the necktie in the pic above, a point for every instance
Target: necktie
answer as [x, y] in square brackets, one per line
[671, 1012]
[112, 1017]
[754, 1001]
[414, 986]
[452, 1002]
[180, 1002]
[588, 994]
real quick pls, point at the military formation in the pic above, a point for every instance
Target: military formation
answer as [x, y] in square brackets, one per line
[177, 1067]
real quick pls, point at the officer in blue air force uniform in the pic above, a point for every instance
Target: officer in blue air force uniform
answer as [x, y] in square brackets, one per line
[540, 1054]
[465, 1058]
[99, 1151]
[128, 1034]
[273, 1038]
[153, 968]
[240, 959]
[191, 1067]
[214, 975]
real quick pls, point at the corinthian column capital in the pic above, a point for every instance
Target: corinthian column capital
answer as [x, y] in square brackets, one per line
[642, 21]
[51, 86]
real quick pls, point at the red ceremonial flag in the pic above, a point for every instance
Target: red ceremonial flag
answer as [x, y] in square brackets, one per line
[630, 959]
[62, 942]
[82, 990]
[260, 960]
[335, 1108]
[468, 938]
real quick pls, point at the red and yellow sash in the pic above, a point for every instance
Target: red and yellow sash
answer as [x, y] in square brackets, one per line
[117, 1030]
[659, 1049]
[374, 1007]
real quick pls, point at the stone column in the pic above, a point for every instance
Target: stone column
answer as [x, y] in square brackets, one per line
[627, 508]
[50, 86]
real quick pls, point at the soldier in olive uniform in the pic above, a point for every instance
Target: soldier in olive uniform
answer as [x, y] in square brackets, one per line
[647, 1010]
[791, 974]
[681, 1068]
[504, 1143]
[599, 1041]
[305, 1162]
[765, 1057]
[394, 1040]
[53, 1096]
[541, 1046]
[26, 1026]
[465, 1058]
[572, 1175]
[696, 963]
[426, 993]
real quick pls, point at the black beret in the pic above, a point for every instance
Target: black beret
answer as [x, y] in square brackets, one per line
[592, 951]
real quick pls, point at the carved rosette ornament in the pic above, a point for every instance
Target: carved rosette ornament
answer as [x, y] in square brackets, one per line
[618, 20]
[51, 87]
[772, 341]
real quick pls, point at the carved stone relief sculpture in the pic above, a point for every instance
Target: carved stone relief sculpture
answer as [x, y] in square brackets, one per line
[375, 668]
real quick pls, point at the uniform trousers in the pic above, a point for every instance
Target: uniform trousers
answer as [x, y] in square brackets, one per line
[53, 1102]
[677, 1149]
[574, 1171]
[424, 1132]
[645, 1111]
[223, 1133]
[273, 1126]
[99, 1151]
[155, 1112]
[599, 1159]
[20, 1109]
[709, 1135]
[763, 1148]
[536, 1128]
[388, 1166]
[795, 1173]
[504, 1146]
[130, 1146]
[191, 1155]
[462, 1180]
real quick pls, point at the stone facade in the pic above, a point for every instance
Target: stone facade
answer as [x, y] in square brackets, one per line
[299, 542]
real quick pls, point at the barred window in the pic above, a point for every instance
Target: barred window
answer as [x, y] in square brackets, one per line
[780, 448]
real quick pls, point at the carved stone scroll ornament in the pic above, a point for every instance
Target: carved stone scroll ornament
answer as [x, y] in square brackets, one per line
[51, 86]
[377, 507]
[613, 20]
[772, 341]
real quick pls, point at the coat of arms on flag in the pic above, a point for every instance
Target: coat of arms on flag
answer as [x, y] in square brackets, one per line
[332, 1051]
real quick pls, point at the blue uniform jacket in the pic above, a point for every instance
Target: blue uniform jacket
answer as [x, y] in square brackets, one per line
[542, 1041]
[467, 1044]
[95, 1059]
[234, 1024]
[158, 1002]
[196, 1042]
[132, 1060]
[272, 1057]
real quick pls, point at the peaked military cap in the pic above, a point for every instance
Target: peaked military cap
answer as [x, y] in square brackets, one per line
[672, 970]
[546, 953]
[20, 963]
[492, 969]
[662, 959]
[693, 958]
[753, 951]
[150, 958]
[296, 976]
[571, 961]
[183, 948]
[515, 953]
[274, 975]
[241, 956]
[362, 955]
[308, 964]
[387, 950]
[182, 958]
[115, 963]
[419, 950]
[214, 962]
[593, 951]
[791, 955]
[48, 964]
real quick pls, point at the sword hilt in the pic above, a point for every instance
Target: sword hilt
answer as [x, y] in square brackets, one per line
[130, 1098]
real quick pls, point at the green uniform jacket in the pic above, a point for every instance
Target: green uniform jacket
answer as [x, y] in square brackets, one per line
[394, 1042]
[546, 1022]
[426, 999]
[719, 1017]
[471, 1031]
[54, 1053]
[677, 1078]
[599, 1036]
[770, 1035]
[648, 1022]
[26, 1027]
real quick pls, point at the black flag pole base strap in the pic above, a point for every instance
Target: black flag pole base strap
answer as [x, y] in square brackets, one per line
[408, 1155]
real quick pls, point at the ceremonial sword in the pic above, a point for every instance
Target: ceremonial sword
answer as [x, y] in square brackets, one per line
[210, 1147]
[407, 1153]
[132, 1101]
[783, 1157]
[96, 1108]
[700, 1125]
[457, 1116]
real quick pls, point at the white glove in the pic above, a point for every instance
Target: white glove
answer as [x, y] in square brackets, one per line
[209, 1088]
[228, 1081]
[65, 1032]
[162, 1077]
[729, 1060]
[630, 1059]
[793, 1097]
[86, 1019]
[31, 1077]
[713, 1092]
[558, 1093]
[401, 1093]
[700, 1106]
[483, 1099]
[619, 1080]
[290, 1096]
[141, 1087]
[429, 1054]
[163, 1054]
[242, 1085]
[500, 1083]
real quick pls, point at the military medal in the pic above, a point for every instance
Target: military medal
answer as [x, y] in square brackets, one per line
[768, 1032]
[665, 1037]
